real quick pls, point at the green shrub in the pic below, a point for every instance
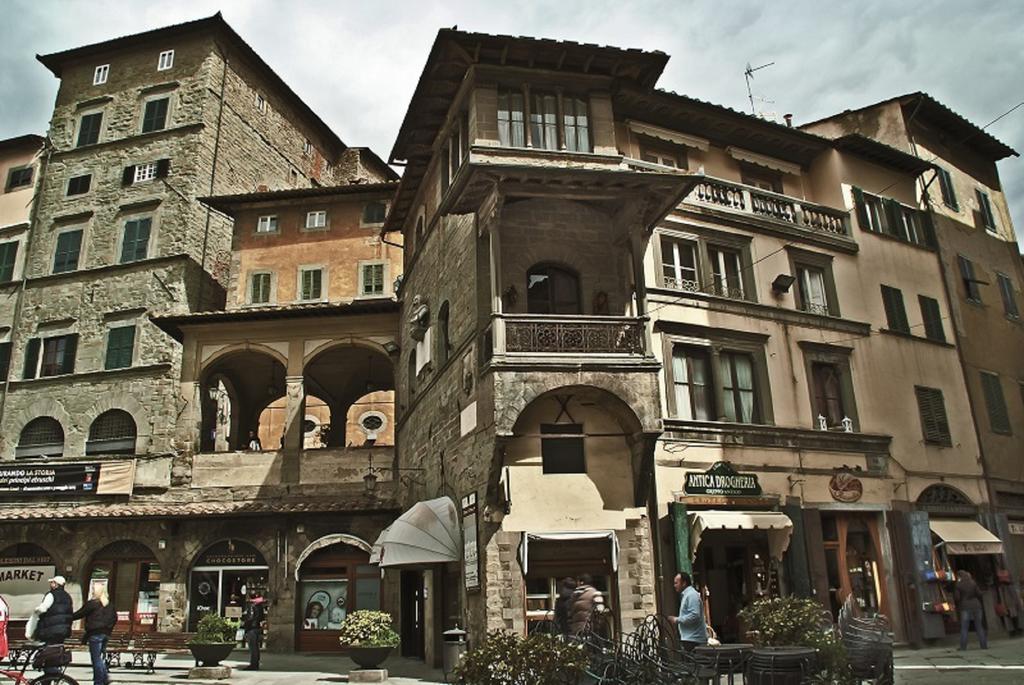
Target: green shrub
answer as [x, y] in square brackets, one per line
[213, 629]
[365, 628]
[799, 622]
[504, 658]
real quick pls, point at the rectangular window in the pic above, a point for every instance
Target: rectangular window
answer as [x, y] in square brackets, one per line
[57, 357]
[89, 129]
[932, 317]
[946, 187]
[8, 258]
[895, 312]
[165, 61]
[932, 408]
[99, 77]
[135, 244]
[316, 219]
[827, 385]
[988, 219]
[561, 448]
[910, 228]
[373, 279]
[970, 283]
[691, 380]
[311, 284]
[261, 103]
[998, 416]
[260, 289]
[154, 117]
[875, 213]
[374, 213]
[144, 172]
[544, 121]
[663, 156]
[511, 119]
[79, 185]
[69, 246]
[813, 296]
[5, 360]
[266, 224]
[1006, 291]
[739, 401]
[726, 272]
[576, 126]
[307, 148]
[679, 264]
[120, 347]
[20, 177]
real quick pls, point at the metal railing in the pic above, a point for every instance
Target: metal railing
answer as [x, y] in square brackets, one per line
[568, 334]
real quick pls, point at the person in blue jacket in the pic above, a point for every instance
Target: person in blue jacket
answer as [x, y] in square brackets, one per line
[690, 621]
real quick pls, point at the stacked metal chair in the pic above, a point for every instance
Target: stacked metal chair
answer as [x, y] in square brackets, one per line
[868, 641]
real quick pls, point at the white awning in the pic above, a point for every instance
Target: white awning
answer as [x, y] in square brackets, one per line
[742, 155]
[524, 543]
[428, 533]
[778, 525]
[675, 137]
[964, 536]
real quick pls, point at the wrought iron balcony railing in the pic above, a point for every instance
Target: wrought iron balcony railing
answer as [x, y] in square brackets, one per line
[568, 334]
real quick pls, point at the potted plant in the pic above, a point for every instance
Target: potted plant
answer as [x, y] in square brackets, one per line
[368, 637]
[213, 641]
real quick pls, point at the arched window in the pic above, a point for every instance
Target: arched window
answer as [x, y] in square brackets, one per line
[113, 432]
[443, 343]
[552, 290]
[41, 437]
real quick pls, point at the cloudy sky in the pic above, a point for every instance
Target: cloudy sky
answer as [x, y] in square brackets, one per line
[356, 63]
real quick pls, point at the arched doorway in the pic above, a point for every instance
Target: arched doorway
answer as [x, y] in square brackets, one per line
[132, 576]
[334, 577]
[236, 388]
[222, 576]
[25, 569]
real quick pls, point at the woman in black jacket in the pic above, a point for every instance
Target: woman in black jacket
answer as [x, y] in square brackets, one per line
[100, 618]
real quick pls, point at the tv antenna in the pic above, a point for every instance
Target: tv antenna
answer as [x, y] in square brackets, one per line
[748, 73]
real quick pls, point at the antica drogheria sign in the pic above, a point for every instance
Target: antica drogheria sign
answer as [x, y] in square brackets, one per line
[722, 479]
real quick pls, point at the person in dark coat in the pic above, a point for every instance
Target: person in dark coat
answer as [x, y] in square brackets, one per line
[100, 618]
[54, 617]
[252, 624]
[563, 602]
[968, 603]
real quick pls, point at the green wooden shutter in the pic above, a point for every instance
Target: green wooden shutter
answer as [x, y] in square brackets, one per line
[893, 218]
[928, 226]
[67, 361]
[120, 345]
[8, 256]
[895, 312]
[681, 528]
[135, 243]
[31, 359]
[1006, 290]
[998, 417]
[932, 316]
[988, 219]
[934, 423]
[5, 360]
[971, 289]
[948, 192]
[861, 208]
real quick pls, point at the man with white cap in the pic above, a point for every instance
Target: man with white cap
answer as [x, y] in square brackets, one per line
[54, 617]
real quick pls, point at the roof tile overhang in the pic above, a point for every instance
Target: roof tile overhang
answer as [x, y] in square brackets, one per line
[229, 204]
[720, 125]
[29, 141]
[217, 26]
[175, 325]
[452, 55]
[136, 510]
[875, 151]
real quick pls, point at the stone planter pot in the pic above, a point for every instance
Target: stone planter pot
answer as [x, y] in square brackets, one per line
[211, 653]
[367, 657]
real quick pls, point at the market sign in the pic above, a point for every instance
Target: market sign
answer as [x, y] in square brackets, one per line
[722, 479]
[46, 479]
[23, 587]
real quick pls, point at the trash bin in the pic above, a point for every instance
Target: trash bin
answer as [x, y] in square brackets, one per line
[454, 647]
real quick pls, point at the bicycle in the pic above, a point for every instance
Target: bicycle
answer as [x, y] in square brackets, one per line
[31, 655]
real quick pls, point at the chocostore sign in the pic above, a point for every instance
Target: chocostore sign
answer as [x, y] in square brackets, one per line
[722, 479]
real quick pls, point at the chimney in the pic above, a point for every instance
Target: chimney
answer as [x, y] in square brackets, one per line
[789, 119]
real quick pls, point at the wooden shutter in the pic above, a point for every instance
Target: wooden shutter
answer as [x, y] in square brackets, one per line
[31, 358]
[895, 313]
[1005, 289]
[948, 192]
[163, 167]
[128, 175]
[893, 217]
[67, 362]
[932, 408]
[998, 417]
[5, 360]
[120, 344]
[8, 256]
[932, 317]
[861, 208]
[928, 227]
[971, 289]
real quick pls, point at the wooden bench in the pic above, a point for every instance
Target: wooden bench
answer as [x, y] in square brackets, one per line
[144, 648]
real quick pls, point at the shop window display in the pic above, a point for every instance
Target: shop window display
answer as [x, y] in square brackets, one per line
[224, 575]
[132, 577]
[333, 581]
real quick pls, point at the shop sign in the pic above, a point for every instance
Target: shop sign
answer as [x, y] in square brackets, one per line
[1016, 528]
[725, 501]
[845, 487]
[23, 586]
[722, 479]
[231, 553]
[47, 479]
[470, 547]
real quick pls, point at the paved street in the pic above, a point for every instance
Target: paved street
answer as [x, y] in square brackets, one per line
[1002, 663]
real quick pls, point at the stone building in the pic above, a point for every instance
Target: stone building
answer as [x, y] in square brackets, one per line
[983, 280]
[142, 126]
[643, 333]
